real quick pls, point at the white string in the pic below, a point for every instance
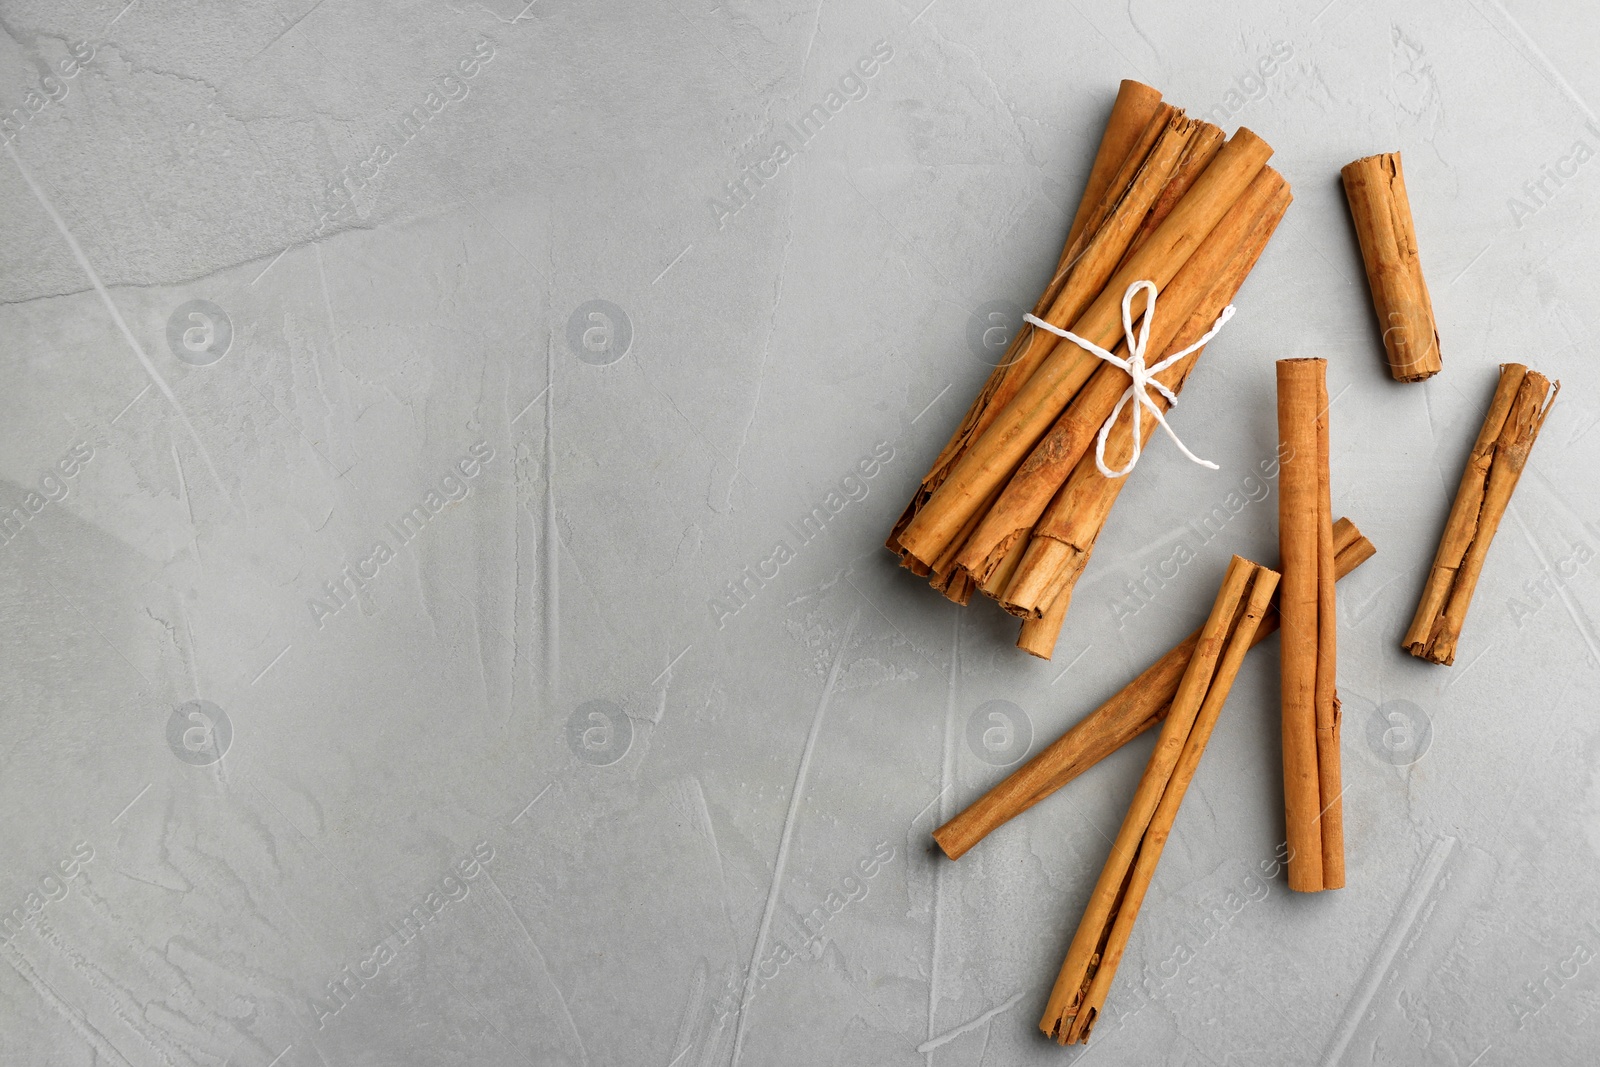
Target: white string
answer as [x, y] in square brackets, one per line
[1143, 377]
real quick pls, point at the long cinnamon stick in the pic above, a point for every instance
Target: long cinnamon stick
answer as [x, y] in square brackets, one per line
[1096, 950]
[1138, 706]
[990, 459]
[1376, 190]
[1516, 414]
[1137, 118]
[1310, 707]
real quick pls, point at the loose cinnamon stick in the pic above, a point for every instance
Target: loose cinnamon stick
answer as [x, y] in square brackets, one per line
[1310, 707]
[991, 458]
[1137, 118]
[1516, 414]
[1137, 707]
[1065, 535]
[1376, 189]
[1091, 963]
[1041, 474]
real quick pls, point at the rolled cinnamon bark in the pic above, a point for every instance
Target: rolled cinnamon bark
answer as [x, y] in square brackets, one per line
[1516, 414]
[1137, 118]
[1096, 950]
[1135, 708]
[1214, 264]
[989, 461]
[1310, 707]
[1376, 190]
[1065, 535]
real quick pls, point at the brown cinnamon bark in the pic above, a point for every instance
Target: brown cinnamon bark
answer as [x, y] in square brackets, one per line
[1097, 947]
[1516, 414]
[1310, 707]
[1137, 707]
[1376, 190]
[988, 463]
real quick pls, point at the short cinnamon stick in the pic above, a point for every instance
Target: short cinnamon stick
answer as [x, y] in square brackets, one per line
[1310, 706]
[1376, 190]
[1516, 414]
[1096, 950]
[1138, 706]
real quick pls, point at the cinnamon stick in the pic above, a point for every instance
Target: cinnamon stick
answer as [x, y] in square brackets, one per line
[1137, 118]
[1310, 706]
[1138, 706]
[990, 459]
[1376, 190]
[1521, 401]
[1096, 950]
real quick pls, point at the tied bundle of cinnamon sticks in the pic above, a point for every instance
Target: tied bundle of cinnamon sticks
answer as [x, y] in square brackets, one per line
[1016, 500]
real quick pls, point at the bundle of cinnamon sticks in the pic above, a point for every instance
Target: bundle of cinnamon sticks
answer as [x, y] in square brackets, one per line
[1014, 503]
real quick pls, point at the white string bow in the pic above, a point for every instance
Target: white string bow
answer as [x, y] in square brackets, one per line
[1143, 377]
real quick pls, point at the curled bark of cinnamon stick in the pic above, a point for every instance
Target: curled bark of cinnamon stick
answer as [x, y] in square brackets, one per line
[1138, 706]
[1516, 414]
[1311, 789]
[1376, 189]
[1096, 950]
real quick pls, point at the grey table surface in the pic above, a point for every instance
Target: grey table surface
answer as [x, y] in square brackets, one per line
[404, 409]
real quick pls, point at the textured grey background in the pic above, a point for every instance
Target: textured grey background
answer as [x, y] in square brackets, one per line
[640, 828]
